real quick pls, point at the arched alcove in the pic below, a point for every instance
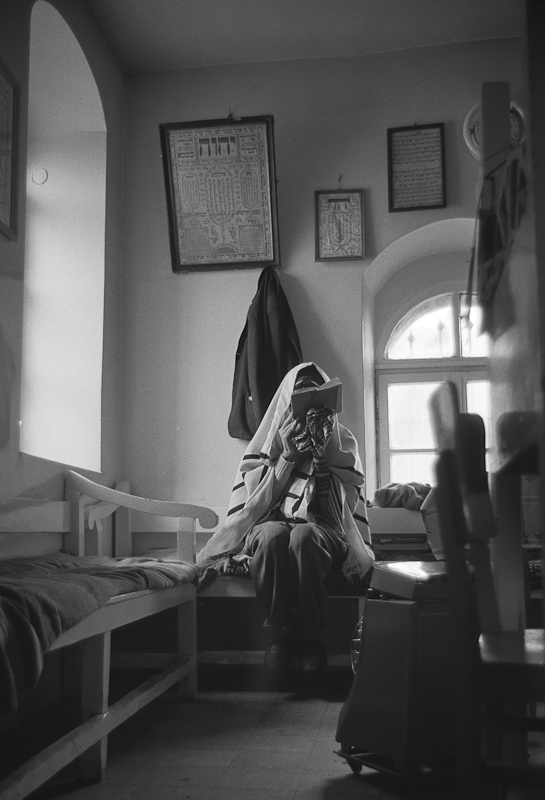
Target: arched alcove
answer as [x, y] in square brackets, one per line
[438, 239]
[64, 250]
[445, 236]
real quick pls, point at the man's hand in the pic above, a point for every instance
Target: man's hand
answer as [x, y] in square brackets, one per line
[290, 427]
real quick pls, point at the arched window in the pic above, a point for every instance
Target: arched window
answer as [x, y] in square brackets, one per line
[61, 390]
[437, 340]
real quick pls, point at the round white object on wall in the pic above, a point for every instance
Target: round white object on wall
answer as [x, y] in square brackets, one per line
[472, 128]
[39, 176]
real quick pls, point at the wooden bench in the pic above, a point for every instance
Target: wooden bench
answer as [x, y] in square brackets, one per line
[88, 503]
[345, 607]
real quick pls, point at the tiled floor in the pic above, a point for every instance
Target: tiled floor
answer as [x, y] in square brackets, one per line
[233, 746]
[241, 746]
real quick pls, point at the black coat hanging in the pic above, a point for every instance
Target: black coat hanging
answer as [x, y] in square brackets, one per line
[267, 349]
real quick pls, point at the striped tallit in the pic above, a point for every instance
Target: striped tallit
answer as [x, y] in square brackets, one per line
[263, 476]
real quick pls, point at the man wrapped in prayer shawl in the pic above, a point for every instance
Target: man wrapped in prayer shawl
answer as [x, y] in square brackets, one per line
[297, 511]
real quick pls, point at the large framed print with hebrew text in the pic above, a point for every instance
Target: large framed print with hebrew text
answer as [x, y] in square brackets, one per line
[221, 193]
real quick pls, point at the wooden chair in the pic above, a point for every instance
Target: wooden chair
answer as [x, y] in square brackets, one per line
[501, 673]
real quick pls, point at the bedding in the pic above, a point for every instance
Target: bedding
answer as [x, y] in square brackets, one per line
[402, 495]
[43, 596]
[336, 583]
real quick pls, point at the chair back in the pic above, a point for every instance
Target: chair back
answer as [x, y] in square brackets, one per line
[466, 515]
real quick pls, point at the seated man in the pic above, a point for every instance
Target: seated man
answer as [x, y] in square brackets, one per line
[292, 518]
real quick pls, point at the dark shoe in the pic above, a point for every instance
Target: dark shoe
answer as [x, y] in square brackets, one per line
[278, 656]
[313, 656]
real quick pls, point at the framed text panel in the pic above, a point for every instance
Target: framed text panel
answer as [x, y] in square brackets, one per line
[416, 167]
[339, 225]
[221, 193]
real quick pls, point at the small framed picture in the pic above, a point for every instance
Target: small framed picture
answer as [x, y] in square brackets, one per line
[416, 167]
[339, 225]
[221, 193]
[8, 153]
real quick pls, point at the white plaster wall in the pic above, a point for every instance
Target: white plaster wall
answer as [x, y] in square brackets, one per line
[181, 331]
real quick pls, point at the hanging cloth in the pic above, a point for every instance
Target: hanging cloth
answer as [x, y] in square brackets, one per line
[267, 349]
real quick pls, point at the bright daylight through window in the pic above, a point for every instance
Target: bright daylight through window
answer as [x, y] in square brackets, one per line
[436, 340]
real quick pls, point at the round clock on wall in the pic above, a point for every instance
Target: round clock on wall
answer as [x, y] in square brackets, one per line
[472, 128]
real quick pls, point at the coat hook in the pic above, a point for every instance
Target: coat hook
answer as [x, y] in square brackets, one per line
[340, 180]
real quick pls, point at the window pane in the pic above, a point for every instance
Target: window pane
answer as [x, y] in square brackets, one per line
[62, 364]
[425, 332]
[478, 402]
[473, 343]
[409, 467]
[409, 425]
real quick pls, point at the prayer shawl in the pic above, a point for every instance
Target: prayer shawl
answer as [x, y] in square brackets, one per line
[263, 469]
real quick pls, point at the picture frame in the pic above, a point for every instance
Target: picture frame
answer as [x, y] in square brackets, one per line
[339, 225]
[416, 167]
[9, 110]
[220, 181]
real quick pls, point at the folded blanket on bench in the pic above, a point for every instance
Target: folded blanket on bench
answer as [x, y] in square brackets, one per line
[336, 583]
[43, 596]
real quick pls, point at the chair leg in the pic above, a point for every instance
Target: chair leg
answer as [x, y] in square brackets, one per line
[492, 743]
[500, 742]
[469, 745]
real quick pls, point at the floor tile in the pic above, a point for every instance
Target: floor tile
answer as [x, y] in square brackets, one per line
[322, 756]
[290, 741]
[270, 759]
[219, 793]
[209, 757]
[334, 784]
[256, 776]
[159, 793]
[239, 746]
[75, 791]
[215, 735]
[121, 772]
[182, 775]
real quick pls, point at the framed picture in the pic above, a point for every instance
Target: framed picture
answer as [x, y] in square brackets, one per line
[339, 225]
[221, 193]
[416, 167]
[8, 153]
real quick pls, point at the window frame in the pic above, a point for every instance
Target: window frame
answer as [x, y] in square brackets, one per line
[457, 368]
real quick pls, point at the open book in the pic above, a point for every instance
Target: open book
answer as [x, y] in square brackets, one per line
[329, 395]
